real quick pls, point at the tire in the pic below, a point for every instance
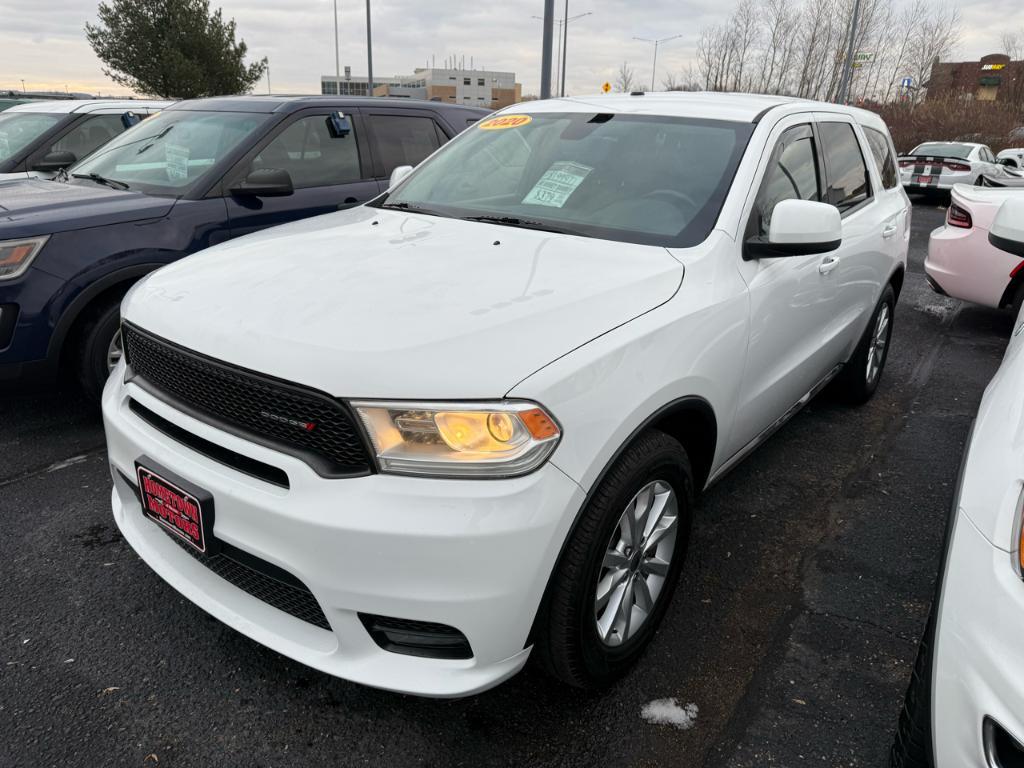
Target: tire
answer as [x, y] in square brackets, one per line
[913, 745]
[855, 384]
[566, 636]
[1018, 300]
[92, 344]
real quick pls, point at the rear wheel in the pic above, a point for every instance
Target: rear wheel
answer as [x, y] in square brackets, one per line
[98, 347]
[620, 566]
[858, 380]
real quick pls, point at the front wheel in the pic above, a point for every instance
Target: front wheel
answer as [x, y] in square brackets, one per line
[858, 380]
[913, 747]
[98, 348]
[619, 567]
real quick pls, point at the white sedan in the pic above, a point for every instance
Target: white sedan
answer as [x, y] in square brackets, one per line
[938, 165]
[965, 703]
[961, 261]
[412, 443]
[1012, 158]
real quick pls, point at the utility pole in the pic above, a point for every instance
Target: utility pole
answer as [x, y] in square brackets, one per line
[369, 53]
[545, 59]
[565, 40]
[654, 66]
[268, 76]
[337, 56]
[844, 87]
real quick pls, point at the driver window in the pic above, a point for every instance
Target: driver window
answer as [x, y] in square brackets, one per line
[312, 157]
[792, 175]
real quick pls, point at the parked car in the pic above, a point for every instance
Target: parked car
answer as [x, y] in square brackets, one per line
[199, 173]
[965, 702]
[7, 103]
[938, 165]
[961, 261]
[412, 443]
[39, 138]
[1012, 158]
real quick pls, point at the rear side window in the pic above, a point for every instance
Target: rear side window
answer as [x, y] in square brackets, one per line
[89, 135]
[882, 151]
[847, 173]
[792, 174]
[404, 140]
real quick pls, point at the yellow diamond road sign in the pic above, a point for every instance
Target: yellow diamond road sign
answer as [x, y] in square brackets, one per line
[606, 87]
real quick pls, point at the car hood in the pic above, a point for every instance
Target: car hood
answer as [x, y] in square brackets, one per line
[381, 304]
[42, 207]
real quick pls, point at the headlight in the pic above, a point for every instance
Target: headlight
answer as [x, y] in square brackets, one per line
[500, 439]
[16, 255]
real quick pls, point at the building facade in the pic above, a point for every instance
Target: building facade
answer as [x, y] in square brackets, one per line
[994, 78]
[469, 87]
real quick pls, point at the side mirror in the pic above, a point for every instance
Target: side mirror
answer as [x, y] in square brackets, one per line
[398, 175]
[55, 161]
[338, 125]
[265, 182]
[1007, 230]
[798, 228]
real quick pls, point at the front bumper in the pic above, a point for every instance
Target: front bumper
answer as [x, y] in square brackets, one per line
[471, 554]
[979, 663]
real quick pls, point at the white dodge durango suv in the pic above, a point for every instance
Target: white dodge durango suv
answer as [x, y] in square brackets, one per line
[411, 443]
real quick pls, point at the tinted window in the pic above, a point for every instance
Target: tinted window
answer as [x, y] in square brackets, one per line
[633, 178]
[847, 173]
[89, 135]
[792, 174]
[943, 149]
[882, 151]
[404, 140]
[310, 155]
[19, 129]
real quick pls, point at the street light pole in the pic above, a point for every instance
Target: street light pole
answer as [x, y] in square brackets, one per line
[654, 66]
[565, 40]
[337, 56]
[545, 59]
[844, 87]
[369, 52]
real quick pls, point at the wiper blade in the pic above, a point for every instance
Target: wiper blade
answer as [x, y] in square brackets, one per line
[113, 183]
[403, 206]
[515, 221]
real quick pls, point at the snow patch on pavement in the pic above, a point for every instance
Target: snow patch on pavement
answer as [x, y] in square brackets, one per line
[668, 712]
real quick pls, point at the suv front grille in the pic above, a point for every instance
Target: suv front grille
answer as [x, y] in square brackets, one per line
[293, 419]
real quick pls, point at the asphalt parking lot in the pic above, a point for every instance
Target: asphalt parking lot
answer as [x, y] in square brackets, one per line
[806, 589]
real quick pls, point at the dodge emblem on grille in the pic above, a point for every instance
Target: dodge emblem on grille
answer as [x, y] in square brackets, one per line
[309, 426]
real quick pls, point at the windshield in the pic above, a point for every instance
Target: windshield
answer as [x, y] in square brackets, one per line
[631, 178]
[170, 152]
[944, 149]
[19, 129]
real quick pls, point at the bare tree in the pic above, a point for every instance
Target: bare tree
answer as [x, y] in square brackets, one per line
[625, 79]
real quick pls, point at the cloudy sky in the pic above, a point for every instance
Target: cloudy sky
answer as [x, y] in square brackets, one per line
[42, 42]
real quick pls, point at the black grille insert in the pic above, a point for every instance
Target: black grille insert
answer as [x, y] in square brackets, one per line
[417, 638]
[303, 422]
[252, 575]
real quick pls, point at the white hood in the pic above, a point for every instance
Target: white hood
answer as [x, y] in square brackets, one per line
[383, 304]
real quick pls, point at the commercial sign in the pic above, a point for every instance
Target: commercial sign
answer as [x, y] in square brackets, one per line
[989, 67]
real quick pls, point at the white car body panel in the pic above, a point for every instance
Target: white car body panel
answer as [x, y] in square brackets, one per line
[961, 261]
[602, 334]
[978, 666]
[1014, 153]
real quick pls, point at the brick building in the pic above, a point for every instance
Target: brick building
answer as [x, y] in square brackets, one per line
[469, 87]
[994, 78]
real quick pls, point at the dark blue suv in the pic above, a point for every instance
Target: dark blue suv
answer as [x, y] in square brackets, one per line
[197, 174]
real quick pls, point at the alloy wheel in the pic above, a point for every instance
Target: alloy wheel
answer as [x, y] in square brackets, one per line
[879, 340]
[115, 351]
[636, 563]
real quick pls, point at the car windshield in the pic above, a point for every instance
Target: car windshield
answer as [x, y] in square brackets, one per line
[19, 129]
[944, 149]
[632, 178]
[170, 152]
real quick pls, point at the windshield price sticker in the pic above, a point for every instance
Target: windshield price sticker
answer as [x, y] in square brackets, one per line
[177, 161]
[558, 182]
[502, 122]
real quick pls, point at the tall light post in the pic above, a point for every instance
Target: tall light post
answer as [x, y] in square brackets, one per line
[654, 66]
[545, 57]
[563, 28]
[369, 52]
[844, 87]
[337, 56]
[23, 85]
[565, 39]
